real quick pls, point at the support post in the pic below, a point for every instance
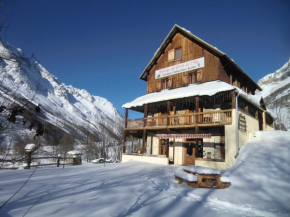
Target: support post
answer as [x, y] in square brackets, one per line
[196, 143]
[145, 114]
[144, 141]
[124, 142]
[126, 117]
[132, 138]
[264, 120]
[233, 99]
[168, 113]
[196, 109]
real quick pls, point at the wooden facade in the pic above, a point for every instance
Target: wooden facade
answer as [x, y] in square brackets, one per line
[217, 66]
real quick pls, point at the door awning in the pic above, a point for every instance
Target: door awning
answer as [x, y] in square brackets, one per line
[183, 136]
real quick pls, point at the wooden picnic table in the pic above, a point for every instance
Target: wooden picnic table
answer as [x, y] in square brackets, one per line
[206, 177]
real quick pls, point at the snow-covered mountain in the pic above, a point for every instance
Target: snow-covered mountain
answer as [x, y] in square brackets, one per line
[66, 107]
[276, 93]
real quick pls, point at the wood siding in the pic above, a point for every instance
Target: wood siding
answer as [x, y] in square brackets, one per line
[189, 51]
[214, 69]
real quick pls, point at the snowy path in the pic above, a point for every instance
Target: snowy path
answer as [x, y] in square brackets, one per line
[140, 189]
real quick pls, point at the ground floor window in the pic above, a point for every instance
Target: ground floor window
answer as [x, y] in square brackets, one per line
[214, 148]
[208, 148]
[134, 145]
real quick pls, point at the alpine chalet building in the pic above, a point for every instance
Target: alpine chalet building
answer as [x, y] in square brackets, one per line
[200, 106]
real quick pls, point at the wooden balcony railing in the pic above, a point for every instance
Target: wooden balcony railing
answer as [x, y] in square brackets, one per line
[206, 118]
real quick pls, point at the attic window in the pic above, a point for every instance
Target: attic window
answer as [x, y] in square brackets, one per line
[178, 54]
[171, 55]
[174, 55]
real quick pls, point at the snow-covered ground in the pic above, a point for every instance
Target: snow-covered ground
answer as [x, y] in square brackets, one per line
[260, 187]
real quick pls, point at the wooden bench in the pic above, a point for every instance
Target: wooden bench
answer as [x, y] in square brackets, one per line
[208, 177]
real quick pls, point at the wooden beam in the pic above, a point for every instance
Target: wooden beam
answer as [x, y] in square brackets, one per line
[144, 139]
[168, 112]
[196, 109]
[124, 142]
[145, 114]
[233, 99]
[126, 117]
[264, 120]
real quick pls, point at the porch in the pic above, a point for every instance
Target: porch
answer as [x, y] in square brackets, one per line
[216, 117]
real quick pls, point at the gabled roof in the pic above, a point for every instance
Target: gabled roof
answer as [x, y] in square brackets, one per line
[188, 34]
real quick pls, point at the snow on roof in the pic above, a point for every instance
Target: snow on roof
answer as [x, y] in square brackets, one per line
[204, 89]
[74, 152]
[29, 146]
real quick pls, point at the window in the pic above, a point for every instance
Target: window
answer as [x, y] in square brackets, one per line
[164, 84]
[192, 78]
[178, 54]
[174, 55]
[171, 55]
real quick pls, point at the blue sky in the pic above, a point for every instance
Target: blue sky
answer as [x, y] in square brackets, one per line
[103, 46]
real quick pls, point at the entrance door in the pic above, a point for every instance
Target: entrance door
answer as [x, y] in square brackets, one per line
[189, 153]
[164, 147]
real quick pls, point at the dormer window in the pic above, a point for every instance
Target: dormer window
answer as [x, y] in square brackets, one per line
[174, 54]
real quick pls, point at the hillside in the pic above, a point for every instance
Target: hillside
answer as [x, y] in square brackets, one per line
[259, 187]
[276, 93]
[25, 84]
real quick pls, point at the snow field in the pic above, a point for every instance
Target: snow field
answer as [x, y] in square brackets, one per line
[260, 187]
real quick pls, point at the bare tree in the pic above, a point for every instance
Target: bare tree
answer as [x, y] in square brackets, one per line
[66, 144]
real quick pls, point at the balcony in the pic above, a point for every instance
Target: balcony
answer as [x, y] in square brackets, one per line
[209, 118]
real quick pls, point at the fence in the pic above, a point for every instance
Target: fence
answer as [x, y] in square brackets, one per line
[28, 159]
[209, 117]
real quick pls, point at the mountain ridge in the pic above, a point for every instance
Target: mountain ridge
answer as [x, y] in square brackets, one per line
[276, 93]
[28, 80]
